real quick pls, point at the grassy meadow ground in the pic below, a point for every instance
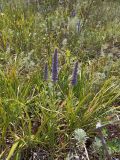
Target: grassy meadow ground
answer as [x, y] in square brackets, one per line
[59, 78]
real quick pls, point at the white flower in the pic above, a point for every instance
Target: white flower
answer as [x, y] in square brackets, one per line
[98, 125]
[64, 42]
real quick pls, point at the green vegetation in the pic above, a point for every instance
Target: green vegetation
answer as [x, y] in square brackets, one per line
[35, 111]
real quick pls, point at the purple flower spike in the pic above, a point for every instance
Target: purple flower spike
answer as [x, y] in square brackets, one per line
[73, 14]
[46, 72]
[74, 76]
[78, 26]
[55, 66]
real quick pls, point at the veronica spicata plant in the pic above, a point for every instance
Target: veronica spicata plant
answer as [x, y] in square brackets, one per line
[55, 66]
[75, 73]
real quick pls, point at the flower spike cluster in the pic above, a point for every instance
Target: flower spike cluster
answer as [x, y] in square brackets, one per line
[55, 70]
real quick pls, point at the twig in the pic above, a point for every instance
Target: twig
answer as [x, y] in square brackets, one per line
[110, 123]
[99, 129]
[86, 152]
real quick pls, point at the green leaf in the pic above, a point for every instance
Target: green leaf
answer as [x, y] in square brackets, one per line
[14, 146]
[1, 154]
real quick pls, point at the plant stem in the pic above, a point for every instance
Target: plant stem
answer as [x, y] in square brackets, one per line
[86, 152]
[104, 143]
